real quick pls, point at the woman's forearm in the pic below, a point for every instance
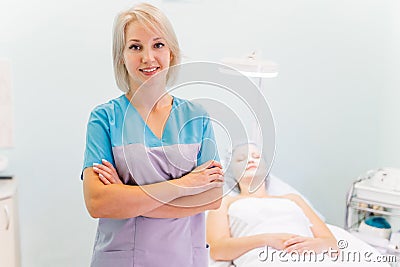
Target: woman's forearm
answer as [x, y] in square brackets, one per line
[232, 248]
[125, 201]
[188, 205]
[228, 249]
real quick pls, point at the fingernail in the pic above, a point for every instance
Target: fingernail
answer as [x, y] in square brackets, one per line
[95, 168]
[104, 160]
[95, 164]
[101, 175]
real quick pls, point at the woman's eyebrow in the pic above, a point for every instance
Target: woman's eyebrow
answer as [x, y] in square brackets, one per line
[137, 40]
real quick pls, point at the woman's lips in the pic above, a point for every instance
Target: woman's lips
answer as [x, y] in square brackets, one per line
[149, 71]
[251, 167]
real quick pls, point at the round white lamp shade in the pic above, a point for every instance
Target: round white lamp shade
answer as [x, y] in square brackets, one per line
[252, 67]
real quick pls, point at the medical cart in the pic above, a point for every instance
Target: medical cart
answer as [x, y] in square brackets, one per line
[363, 201]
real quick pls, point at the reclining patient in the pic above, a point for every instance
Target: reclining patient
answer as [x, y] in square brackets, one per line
[248, 222]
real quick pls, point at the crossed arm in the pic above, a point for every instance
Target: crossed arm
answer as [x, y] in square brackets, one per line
[106, 196]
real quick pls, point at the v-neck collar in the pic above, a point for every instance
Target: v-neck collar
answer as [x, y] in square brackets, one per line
[147, 128]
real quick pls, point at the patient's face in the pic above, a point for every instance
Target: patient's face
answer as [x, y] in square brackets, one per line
[247, 163]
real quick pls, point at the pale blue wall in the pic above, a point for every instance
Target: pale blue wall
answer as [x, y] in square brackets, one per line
[335, 101]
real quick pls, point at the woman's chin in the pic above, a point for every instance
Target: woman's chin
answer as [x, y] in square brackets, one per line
[250, 173]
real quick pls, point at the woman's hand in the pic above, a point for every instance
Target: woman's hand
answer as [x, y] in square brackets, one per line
[204, 177]
[302, 243]
[278, 240]
[107, 173]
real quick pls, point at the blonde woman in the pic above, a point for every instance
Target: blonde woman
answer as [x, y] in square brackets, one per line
[148, 174]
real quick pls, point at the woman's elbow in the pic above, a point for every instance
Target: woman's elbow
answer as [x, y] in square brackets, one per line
[97, 206]
[94, 214]
[217, 254]
[94, 195]
[213, 254]
[94, 209]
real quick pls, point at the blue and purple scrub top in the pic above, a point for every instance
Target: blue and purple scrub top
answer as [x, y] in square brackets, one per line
[116, 132]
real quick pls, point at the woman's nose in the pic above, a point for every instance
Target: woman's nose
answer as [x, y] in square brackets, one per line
[147, 56]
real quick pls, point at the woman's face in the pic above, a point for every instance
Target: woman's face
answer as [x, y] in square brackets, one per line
[247, 163]
[146, 54]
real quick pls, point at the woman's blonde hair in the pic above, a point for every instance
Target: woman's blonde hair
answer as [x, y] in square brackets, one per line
[152, 18]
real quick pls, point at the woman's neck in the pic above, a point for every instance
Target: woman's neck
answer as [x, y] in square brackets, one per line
[260, 192]
[149, 98]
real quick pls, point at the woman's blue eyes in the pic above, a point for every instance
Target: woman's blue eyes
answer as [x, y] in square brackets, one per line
[139, 47]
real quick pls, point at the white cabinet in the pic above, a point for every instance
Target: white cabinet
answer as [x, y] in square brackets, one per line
[9, 237]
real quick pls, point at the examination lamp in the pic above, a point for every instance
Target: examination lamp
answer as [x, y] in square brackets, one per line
[252, 67]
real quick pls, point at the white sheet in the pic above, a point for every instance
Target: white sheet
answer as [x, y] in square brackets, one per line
[355, 247]
[278, 187]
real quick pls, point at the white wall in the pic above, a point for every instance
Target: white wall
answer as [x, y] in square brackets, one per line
[335, 101]
[389, 141]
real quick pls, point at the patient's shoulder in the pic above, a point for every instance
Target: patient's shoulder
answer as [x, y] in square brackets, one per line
[299, 200]
[228, 200]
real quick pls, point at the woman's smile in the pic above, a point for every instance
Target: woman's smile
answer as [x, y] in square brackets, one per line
[149, 71]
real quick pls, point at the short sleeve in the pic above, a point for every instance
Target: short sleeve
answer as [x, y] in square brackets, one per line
[98, 142]
[208, 149]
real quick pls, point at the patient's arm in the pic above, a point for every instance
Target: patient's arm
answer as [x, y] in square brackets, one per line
[323, 238]
[224, 247]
